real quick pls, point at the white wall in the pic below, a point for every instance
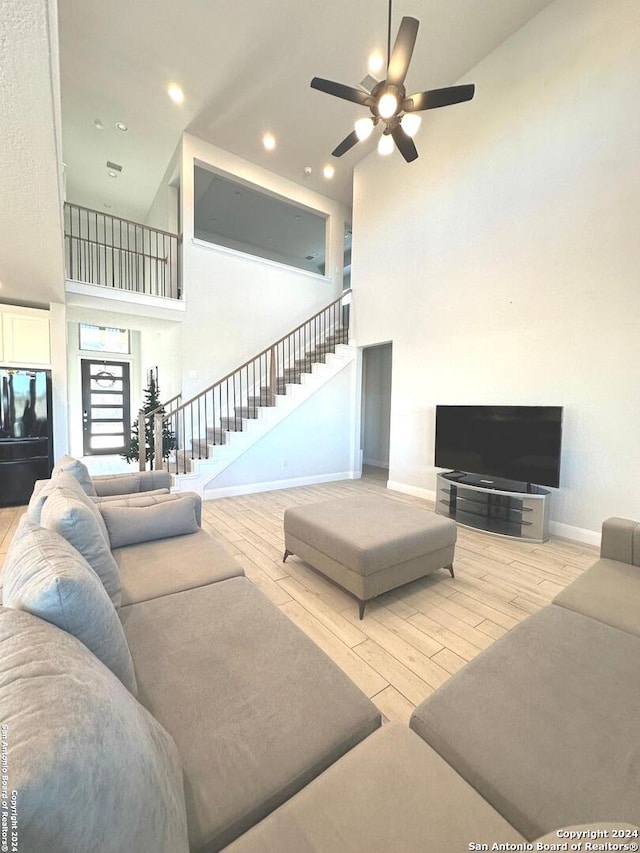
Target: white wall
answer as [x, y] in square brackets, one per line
[238, 305]
[376, 404]
[31, 187]
[313, 444]
[164, 208]
[59, 378]
[503, 264]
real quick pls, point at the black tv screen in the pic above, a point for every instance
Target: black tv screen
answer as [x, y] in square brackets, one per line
[519, 443]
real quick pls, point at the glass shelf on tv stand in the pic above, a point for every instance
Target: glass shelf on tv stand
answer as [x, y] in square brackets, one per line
[514, 513]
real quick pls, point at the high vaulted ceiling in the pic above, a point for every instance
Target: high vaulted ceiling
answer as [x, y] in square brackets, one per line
[245, 68]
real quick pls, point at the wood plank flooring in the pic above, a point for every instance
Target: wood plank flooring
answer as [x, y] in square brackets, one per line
[414, 638]
[411, 639]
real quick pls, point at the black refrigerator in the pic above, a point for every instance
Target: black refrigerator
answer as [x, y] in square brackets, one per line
[26, 435]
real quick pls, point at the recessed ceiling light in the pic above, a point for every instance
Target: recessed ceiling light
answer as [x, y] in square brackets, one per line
[113, 174]
[308, 170]
[122, 126]
[328, 172]
[175, 93]
[269, 141]
[376, 61]
[98, 124]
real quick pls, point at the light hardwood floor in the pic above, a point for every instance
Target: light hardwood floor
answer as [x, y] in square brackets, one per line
[412, 639]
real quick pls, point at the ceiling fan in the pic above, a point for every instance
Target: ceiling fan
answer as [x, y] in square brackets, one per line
[388, 101]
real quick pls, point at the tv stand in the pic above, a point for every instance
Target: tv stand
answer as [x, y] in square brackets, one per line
[520, 512]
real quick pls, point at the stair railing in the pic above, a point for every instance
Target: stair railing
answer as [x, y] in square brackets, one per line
[168, 407]
[204, 419]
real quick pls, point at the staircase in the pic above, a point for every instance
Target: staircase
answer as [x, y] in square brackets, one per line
[220, 424]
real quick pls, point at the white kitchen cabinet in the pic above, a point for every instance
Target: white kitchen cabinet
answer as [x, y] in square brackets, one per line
[25, 336]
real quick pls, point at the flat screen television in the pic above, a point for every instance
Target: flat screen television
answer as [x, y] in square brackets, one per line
[518, 443]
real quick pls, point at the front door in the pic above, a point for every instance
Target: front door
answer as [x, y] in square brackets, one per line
[106, 415]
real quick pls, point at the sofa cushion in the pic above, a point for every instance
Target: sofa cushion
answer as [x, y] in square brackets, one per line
[608, 591]
[391, 792]
[160, 519]
[79, 525]
[93, 770]
[99, 499]
[130, 483]
[78, 470]
[255, 708]
[162, 567]
[544, 724]
[46, 576]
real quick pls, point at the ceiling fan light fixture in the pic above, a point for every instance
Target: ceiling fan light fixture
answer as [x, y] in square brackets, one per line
[364, 128]
[410, 123]
[385, 144]
[376, 62]
[387, 105]
[175, 93]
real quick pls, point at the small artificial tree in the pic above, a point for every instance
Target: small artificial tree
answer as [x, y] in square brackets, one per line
[151, 404]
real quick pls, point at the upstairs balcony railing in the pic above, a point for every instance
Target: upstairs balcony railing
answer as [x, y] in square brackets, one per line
[123, 255]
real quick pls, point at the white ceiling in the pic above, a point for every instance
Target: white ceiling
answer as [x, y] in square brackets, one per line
[245, 68]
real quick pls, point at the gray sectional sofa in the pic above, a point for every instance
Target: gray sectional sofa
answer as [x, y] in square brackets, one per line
[153, 700]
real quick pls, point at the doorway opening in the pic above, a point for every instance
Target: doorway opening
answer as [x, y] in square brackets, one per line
[376, 406]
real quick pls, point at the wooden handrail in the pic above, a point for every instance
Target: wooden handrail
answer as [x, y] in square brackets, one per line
[164, 405]
[264, 352]
[120, 219]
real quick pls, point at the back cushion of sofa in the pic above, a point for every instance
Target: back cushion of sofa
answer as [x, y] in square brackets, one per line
[78, 470]
[61, 480]
[47, 577]
[77, 523]
[131, 496]
[92, 768]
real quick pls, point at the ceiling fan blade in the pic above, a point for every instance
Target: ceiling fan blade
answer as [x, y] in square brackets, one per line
[439, 98]
[402, 50]
[404, 144]
[347, 93]
[347, 143]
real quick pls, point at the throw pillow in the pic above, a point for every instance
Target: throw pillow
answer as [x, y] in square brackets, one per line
[132, 524]
[45, 576]
[77, 523]
[92, 768]
[79, 470]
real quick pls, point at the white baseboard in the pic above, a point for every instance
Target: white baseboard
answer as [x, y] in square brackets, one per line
[375, 463]
[575, 534]
[414, 491]
[252, 488]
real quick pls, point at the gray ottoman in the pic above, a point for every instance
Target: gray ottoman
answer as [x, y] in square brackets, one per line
[369, 545]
